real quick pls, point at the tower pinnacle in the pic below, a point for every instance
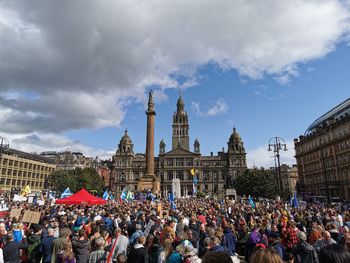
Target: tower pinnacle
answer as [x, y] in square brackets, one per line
[150, 108]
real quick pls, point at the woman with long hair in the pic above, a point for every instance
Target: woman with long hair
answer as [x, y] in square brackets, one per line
[66, 255]
[168, 255]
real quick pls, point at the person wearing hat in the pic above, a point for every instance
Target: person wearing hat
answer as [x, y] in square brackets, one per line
[189, 253]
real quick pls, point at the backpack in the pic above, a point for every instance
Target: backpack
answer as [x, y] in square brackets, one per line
[34, 247]
[102, 259]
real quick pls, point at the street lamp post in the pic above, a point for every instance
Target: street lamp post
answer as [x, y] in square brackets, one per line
[277, 144]
[324, 171]
[4, 146]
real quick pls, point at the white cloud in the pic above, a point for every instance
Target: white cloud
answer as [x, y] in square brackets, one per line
[261, 157]
[74, 64]
[37, 143]
[219, 107]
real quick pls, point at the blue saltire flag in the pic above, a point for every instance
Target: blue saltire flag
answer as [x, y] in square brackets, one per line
[105, 195]
[295, 201]
[124, 194]
[66, 193]
[251, 202]
[111, 197]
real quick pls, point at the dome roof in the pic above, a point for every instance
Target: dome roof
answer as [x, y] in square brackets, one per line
[196, 141]
[235, 136]
[125, 139]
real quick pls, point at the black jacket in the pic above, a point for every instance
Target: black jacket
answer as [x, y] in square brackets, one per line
[46, 248]
[305, 253]
[11, 251]
[154, 253]
[81, 250]
[138, 254]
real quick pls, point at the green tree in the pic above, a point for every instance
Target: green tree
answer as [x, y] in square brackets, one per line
[256, 182]
[77, 179]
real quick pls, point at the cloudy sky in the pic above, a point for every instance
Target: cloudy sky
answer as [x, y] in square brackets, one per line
[74, 74]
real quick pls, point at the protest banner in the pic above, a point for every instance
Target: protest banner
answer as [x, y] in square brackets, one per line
[15, 212]
[27, 216]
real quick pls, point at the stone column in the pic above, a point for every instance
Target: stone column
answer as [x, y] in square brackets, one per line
[150, 137]
[149, 180]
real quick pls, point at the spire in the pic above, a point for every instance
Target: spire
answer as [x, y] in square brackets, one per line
[180, 103]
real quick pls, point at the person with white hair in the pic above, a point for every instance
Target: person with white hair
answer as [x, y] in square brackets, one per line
[99, 253]
[303, 251]
[325, 241]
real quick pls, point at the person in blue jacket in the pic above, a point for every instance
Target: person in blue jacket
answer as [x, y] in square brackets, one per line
[229, 240]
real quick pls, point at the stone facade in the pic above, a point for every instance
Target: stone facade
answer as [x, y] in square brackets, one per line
[19, 169]
[215, 172]
[289, 175]
[68, 160]
[323, 154]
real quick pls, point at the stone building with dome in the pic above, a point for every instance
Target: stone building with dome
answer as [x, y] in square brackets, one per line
[215, 172]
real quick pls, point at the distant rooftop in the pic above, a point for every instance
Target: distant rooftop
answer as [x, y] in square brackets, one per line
[31, 156]
[341, 110]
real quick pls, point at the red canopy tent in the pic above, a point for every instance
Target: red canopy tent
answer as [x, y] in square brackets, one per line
[81, 197]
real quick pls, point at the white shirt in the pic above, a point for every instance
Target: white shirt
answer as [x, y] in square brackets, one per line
[1, 256]
[97, 218]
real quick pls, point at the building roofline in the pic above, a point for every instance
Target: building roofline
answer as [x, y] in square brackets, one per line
[337, 111]
[30, 156]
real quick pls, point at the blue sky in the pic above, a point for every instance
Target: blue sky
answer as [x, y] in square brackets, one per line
[260, 109]
[73, 80]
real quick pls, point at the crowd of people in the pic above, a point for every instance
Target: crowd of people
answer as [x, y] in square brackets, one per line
[197, 230]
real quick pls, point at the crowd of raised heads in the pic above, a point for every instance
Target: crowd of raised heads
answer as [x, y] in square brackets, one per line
[197, 230]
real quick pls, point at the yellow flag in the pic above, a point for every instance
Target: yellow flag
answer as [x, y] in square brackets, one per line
[192, 172]
[26, 191]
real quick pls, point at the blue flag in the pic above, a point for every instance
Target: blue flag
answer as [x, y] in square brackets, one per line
[295, 201]
[66, 193]
[35, 199]
[105, 195]
[124, 194]
[194, 185]
[171, 200]
[251, 201]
